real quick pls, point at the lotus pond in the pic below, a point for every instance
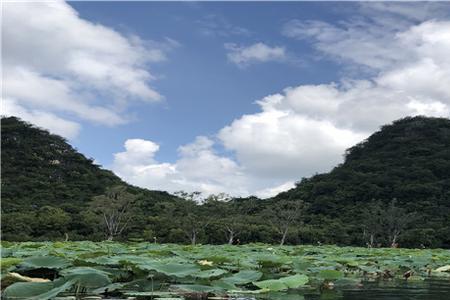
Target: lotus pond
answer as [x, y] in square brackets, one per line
[109, 270]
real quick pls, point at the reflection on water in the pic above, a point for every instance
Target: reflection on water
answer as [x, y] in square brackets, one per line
[426, 290]
[429, 289]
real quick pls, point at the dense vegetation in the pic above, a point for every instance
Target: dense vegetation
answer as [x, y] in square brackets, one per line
[392, 189]
[255, 271]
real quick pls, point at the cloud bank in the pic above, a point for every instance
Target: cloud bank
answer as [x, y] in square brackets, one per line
[403, 58]
[394, 59]
[57, 66]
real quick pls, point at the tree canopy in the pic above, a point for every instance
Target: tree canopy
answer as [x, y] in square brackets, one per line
[394, 186]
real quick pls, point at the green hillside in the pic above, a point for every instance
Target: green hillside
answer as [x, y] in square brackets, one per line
[396, 183]
[407, 161]
[47, 185]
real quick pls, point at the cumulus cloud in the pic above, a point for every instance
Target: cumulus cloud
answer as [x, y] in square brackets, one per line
[58, 63]
[305, 129]
[282, 143]
[259, 52]
[198, 168]
[41, 118]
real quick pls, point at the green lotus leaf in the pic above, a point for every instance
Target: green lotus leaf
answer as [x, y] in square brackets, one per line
[173, 269]
[331, 274]
[36, 290]
[6, 252]
[284, 296]
[87, 277]
[243, 277]
[109, 288]
[48, 262]
[271, 285]
[248, 292]
[295, 281]
[224, 285]
[8, 262]
[197, 288]
[210, 273]
[149, 294]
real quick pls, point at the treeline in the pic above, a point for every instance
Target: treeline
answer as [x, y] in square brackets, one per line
[393, 189]
[125, 215]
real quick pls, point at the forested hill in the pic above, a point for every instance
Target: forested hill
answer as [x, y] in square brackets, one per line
[47, 185]
[39, 168]
[407, 162]
[393, 187]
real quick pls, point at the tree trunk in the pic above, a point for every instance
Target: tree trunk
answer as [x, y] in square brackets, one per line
[394, 241]
[231, 238]
[283, 239]
[193, 238]
[371, 241]
[110, 237]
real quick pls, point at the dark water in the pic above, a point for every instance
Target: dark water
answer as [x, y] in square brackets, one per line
[426, 290]
[429, 289]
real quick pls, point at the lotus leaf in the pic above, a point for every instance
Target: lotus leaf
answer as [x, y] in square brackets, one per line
[331, 274]
[87, 277]
[243, 277]
[48, 262]
[36, 290]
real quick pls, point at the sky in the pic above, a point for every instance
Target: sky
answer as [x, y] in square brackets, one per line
[244, 98]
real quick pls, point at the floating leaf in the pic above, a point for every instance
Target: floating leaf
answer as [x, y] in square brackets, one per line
[284, 283]
[222, 284]
[173, 269]
[271, 285]
[210, 273]
[194, 288]
[331, 274]
[48, 262]
[36, 290]
[87, 277]
[109, 288]
[295, 281]
[8, 262]
[243, 277]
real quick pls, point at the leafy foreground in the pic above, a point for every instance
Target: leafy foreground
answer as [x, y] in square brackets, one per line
[166, 271]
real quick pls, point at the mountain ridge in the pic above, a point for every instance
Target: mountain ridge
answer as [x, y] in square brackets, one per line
[407, 161]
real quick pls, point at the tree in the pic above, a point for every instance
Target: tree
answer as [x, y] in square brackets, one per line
[284, 214]
[193, 225]
[235, 220]
[386, 223]
[227, 214]
[372, 223]
[52, 221]
[191, 221]
[116, 208]
[396, 220]
[193, 196]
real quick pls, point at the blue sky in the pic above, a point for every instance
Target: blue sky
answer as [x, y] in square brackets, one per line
[203, 91]
[239, 97]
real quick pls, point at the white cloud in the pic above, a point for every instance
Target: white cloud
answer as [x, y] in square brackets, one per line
[41, 118]
[259, 52]
[56, 62]
[280, 143]
[34, 91]
[198, 168]
[269, 192]
[306, 128]
[213, 25]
